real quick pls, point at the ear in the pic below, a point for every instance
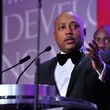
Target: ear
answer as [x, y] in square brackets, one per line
[84, 31]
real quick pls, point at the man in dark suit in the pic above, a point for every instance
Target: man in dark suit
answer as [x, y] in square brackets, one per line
[76, 75]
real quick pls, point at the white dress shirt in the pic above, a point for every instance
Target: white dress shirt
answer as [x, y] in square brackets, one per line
[63, 75]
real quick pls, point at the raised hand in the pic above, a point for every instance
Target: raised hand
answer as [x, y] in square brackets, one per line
[93, 53]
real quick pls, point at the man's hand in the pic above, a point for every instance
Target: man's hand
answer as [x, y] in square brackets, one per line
[93, 53]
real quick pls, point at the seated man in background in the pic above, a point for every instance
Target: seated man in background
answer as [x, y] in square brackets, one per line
[102, 37]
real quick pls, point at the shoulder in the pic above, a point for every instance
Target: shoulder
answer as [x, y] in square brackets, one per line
[46, 67]
[49, 62]
[106, 56]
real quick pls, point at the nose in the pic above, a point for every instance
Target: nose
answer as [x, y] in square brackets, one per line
[102, 45]
[69, 31]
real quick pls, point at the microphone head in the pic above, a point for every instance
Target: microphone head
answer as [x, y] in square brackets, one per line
[48, 48]
[24, 59]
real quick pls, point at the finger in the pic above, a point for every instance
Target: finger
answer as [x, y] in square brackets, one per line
[92, 53]
[93, 48]
[95, 45]
[93, 57]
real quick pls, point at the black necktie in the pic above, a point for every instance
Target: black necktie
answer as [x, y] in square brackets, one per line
[75, 57]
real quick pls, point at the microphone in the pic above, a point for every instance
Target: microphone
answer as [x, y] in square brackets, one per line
[48, 48]
[24, 59]
[20, 62]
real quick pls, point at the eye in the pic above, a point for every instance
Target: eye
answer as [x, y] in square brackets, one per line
[75, 26]
[107, 40]
[61, 27]
[97, 39]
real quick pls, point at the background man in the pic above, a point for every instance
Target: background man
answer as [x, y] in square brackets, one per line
[102, 37]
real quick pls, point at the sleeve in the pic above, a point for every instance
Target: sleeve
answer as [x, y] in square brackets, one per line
[102, 74]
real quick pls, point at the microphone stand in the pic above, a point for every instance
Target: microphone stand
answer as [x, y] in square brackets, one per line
[25, 70]
[36, 89]
[38, 60]
[35, 59]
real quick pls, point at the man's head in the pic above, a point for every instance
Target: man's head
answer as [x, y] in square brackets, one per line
[102, 37]
[68, 32]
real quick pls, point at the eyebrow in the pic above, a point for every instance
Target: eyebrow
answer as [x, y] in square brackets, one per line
[74, 22]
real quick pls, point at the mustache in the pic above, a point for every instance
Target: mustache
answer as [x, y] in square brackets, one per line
[69, 38]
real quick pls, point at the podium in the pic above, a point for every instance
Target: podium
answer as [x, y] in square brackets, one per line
[21, 97]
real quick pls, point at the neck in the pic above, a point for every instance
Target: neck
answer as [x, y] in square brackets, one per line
[73, 51]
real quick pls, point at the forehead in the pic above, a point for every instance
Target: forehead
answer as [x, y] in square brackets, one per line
[102, 33]
[67, 17]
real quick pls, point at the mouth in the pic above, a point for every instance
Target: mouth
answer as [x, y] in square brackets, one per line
[70, 41]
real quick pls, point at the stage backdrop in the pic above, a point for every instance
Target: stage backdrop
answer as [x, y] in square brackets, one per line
[20, 32]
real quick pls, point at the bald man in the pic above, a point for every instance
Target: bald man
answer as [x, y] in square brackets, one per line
[74, 74]
[102, 37]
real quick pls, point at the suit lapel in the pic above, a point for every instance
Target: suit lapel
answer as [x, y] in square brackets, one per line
[51, 71]
[75, 73]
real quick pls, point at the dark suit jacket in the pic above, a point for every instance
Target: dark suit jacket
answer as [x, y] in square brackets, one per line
[84, 83]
